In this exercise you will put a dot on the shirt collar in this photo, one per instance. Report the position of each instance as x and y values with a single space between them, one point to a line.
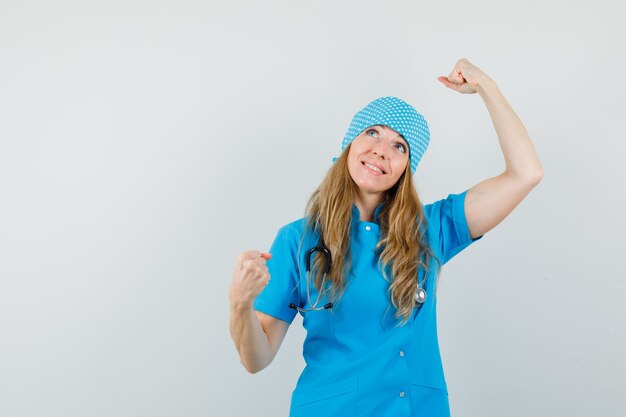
356 214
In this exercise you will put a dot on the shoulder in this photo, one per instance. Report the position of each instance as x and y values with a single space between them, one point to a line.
452 204
295 227
293 232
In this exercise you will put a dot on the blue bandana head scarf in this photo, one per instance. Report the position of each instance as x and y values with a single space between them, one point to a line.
398 115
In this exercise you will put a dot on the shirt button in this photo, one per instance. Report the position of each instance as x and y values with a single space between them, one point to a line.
401 353
402 394
368 228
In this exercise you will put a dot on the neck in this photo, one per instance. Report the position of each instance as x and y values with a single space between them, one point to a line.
367 203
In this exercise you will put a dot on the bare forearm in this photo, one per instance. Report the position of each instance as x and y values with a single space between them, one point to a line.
519 154
251 341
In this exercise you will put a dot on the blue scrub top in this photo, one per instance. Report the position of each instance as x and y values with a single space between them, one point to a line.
357 361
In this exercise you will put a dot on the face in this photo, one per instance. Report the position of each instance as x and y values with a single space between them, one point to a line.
383 148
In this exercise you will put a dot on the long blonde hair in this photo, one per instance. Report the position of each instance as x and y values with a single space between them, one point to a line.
402 228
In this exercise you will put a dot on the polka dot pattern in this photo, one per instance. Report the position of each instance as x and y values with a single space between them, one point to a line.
398 115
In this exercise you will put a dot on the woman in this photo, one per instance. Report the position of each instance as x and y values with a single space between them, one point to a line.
369 299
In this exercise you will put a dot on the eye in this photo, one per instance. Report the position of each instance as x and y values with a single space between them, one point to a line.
401 145
372 130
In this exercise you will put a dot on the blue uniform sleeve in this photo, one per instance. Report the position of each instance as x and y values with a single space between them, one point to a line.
447 224
281 289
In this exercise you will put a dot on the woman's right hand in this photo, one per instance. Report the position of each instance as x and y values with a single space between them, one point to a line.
250 277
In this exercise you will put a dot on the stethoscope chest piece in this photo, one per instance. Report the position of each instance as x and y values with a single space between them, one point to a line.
420 295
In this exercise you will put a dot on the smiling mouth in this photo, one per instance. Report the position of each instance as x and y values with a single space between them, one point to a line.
373 169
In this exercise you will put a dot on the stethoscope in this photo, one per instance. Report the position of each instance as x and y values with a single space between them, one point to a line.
320 247
420 293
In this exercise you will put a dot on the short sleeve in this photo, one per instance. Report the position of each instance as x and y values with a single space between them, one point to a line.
281 289
447 224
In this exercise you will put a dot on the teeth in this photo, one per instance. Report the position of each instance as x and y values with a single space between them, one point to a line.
367 164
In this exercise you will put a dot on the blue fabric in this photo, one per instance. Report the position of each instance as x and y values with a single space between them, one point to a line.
357 361
398 115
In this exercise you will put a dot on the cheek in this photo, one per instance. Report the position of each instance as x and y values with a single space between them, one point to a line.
353 167
353 156
400 167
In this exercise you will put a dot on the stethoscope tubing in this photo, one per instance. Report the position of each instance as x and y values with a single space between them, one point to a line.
420 293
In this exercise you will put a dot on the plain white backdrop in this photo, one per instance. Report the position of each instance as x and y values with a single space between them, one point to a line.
145 144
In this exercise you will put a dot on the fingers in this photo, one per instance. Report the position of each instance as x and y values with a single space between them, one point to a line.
252 263
253 258
251 275
249 254
447 83
456 76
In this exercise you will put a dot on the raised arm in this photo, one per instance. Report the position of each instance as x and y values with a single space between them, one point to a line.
490 201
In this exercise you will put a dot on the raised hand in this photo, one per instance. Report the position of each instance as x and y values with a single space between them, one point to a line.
465 78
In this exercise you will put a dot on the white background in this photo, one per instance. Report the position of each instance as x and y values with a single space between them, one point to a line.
144 144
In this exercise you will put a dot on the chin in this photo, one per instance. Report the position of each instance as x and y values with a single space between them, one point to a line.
372 190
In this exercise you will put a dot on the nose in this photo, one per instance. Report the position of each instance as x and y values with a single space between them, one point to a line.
379 148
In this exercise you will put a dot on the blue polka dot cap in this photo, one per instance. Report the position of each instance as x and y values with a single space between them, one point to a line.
398 115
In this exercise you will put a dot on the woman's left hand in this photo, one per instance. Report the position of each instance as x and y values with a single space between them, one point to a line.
465 78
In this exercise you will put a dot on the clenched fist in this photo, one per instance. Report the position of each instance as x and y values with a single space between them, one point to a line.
250 277
465 78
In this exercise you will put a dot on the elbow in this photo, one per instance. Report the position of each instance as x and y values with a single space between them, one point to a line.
530 177
536 177
252 368
537 173
527 176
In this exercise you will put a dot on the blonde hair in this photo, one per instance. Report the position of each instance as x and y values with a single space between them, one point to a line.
402 246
